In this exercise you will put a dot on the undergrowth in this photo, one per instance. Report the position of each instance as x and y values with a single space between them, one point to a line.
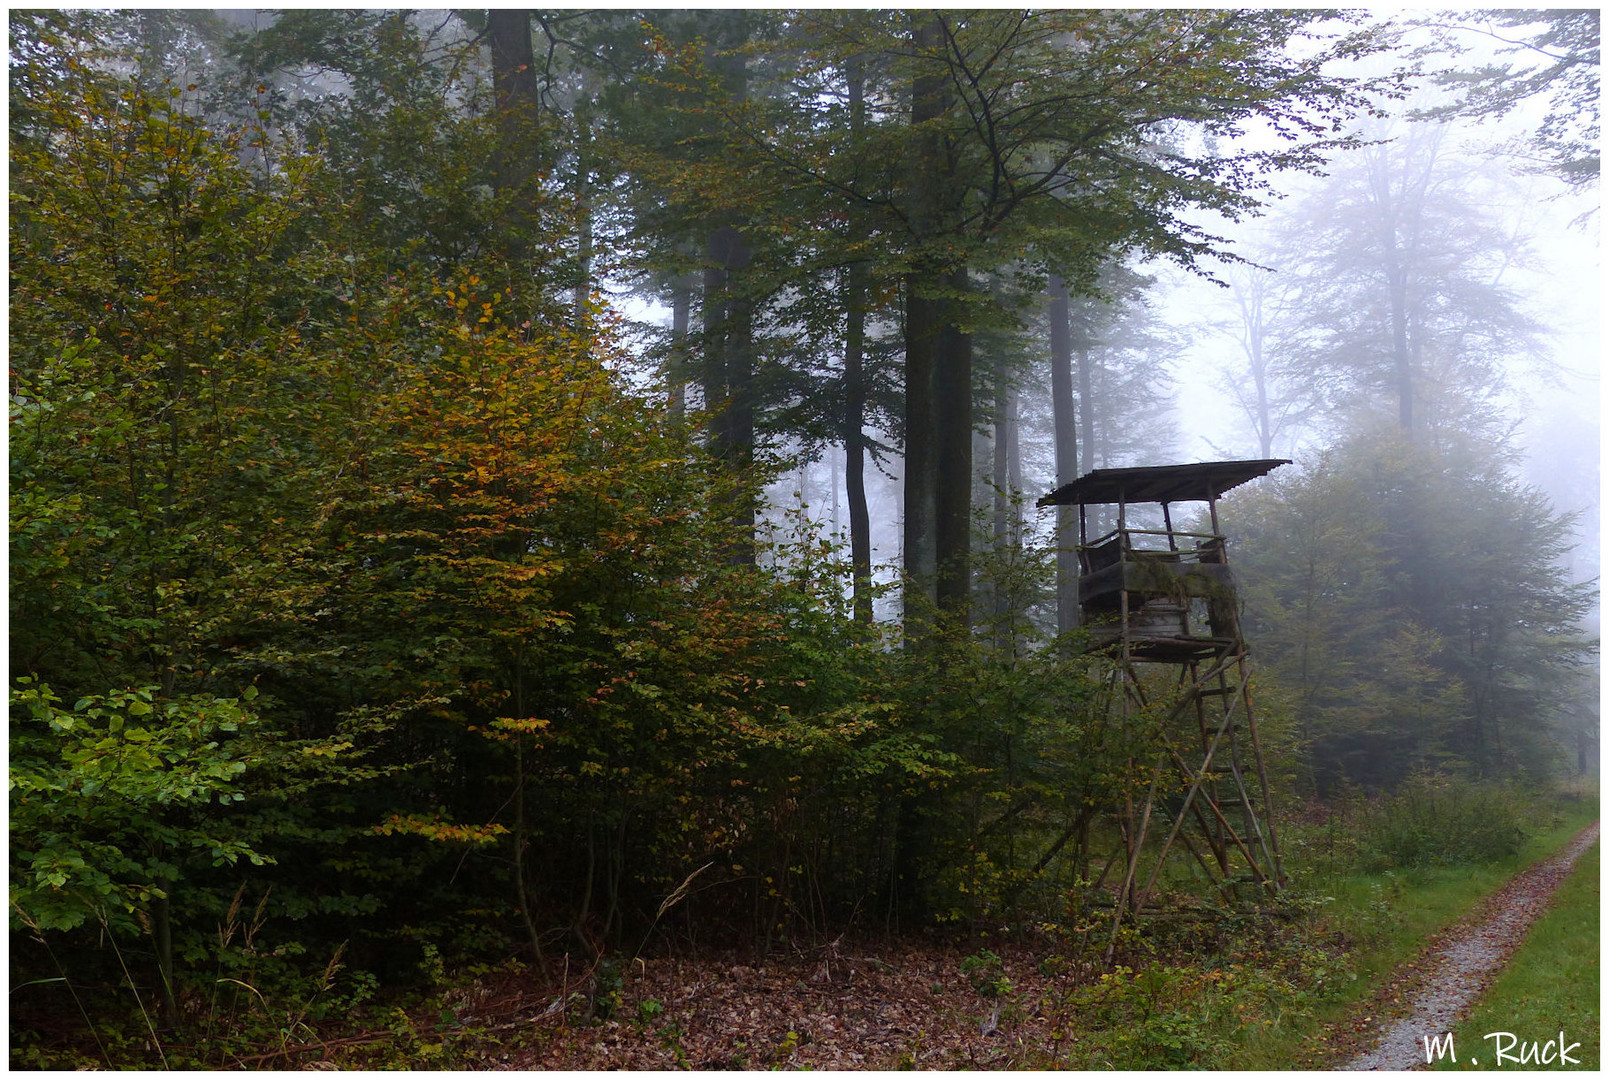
1186 990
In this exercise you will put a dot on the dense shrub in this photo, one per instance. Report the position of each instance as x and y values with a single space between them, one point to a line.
1439 821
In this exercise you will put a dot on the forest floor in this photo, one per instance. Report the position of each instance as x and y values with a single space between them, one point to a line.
1187 996
1458 965
901 1006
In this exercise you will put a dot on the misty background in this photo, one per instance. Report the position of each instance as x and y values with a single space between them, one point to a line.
1541 249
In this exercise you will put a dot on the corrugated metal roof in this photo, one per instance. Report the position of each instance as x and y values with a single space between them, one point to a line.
1200 481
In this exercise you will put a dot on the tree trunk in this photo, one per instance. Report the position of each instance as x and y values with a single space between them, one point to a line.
513 84
938 372
583 199
162 942
514 92
924 326
729 343
1403 363
836 518
952 497
681 312
1387 208
921 346
1007 484
712 367
860 539
521 835
1086 409
1065 422
728 370
521 839
854 430
740 379
1253 296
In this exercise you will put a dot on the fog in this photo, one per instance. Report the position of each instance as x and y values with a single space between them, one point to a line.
1550 400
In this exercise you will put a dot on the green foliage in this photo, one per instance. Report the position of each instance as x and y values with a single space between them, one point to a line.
649 1011
1158 1018
1556 60
1411 608
983 969
1432 820
104 797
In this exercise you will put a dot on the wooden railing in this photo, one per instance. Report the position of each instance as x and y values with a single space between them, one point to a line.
1119 546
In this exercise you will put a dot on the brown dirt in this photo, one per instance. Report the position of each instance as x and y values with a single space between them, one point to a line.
1442 984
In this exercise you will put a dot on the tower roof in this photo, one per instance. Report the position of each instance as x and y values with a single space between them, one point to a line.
1201 481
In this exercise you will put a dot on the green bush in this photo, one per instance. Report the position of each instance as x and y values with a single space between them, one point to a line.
1434 821
1161 1017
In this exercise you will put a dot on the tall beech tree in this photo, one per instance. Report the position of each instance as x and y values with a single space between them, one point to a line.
1274 389
1407 303
1064 425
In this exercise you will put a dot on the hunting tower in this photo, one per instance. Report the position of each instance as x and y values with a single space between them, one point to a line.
1161 603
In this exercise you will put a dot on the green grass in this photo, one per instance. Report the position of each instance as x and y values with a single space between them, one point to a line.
1388 916
1550 984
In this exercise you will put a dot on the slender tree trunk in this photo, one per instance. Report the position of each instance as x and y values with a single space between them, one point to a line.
1389 210
521 835
521 839
1065 422
836 518
1091 459
728 372
1265 420
740 373
854 433
712 368
1402 358
583 199
1000 464
162 942
1014 481
681 311
952 498
1006 486
1252 298
860 538
1265 427
921 348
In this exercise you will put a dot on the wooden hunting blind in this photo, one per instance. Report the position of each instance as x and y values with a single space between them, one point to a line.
1155 599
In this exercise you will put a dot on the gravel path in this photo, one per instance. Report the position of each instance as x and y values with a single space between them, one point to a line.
1464 966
